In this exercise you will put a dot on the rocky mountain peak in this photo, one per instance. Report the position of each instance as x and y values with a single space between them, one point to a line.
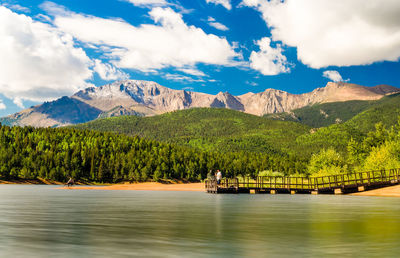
147 98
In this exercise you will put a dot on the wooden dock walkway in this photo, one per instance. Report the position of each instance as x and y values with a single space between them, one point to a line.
335 184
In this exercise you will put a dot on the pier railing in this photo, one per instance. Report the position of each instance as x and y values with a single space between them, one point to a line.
371 179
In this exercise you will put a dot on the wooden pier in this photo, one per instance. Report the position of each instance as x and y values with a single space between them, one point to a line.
335 184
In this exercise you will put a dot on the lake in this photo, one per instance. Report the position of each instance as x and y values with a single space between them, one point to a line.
42 221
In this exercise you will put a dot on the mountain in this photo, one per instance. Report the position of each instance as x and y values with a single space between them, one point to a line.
145 98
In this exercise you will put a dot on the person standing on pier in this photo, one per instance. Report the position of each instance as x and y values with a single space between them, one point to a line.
219 177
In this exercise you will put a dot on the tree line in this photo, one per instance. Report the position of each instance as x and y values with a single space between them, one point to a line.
94 156
60 153
379 149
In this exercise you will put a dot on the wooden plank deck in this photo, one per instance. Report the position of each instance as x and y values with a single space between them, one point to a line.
335 184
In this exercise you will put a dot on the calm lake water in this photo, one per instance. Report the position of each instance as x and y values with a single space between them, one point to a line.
41 221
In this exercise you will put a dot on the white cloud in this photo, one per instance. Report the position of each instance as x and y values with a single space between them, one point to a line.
148 47
254 84
269 60
224 3
335 33
219 26
17 7
188 88
148 3
333 76
19 102
108 72
43 18
181 78
37 62
192 71
2 105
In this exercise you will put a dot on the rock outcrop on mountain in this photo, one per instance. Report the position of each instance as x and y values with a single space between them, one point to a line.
145 98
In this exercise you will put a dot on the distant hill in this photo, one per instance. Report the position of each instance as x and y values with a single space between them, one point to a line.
325 114
208 128
145 98
385 111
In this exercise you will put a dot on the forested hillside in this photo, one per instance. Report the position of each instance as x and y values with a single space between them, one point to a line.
385 112
213 129
209 128
57 154
379 149
228 130
187 144
320 115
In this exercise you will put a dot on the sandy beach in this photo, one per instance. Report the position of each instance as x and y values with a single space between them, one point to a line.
149 186
391 191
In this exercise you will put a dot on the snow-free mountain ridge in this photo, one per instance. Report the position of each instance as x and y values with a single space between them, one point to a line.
146 98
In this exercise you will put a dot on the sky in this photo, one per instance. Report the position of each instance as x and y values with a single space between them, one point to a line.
50 49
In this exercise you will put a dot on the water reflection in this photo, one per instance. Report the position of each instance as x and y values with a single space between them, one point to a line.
40 221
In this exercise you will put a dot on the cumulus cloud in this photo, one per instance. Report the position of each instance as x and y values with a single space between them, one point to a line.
38 62
2 105
219 26
148 47
333 76
269 60
224 3
335 33
148 3
108 72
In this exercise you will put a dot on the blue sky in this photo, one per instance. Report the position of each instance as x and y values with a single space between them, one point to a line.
53 48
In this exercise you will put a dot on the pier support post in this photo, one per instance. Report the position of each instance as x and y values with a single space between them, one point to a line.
292 192
314 192
252 191
361 188
273 192
338 191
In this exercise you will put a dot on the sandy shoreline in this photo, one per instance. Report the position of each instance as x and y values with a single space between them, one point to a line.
390 191
149 186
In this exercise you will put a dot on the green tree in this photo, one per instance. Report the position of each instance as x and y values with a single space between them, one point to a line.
326 162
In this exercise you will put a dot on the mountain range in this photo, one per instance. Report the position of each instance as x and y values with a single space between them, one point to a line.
146 98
